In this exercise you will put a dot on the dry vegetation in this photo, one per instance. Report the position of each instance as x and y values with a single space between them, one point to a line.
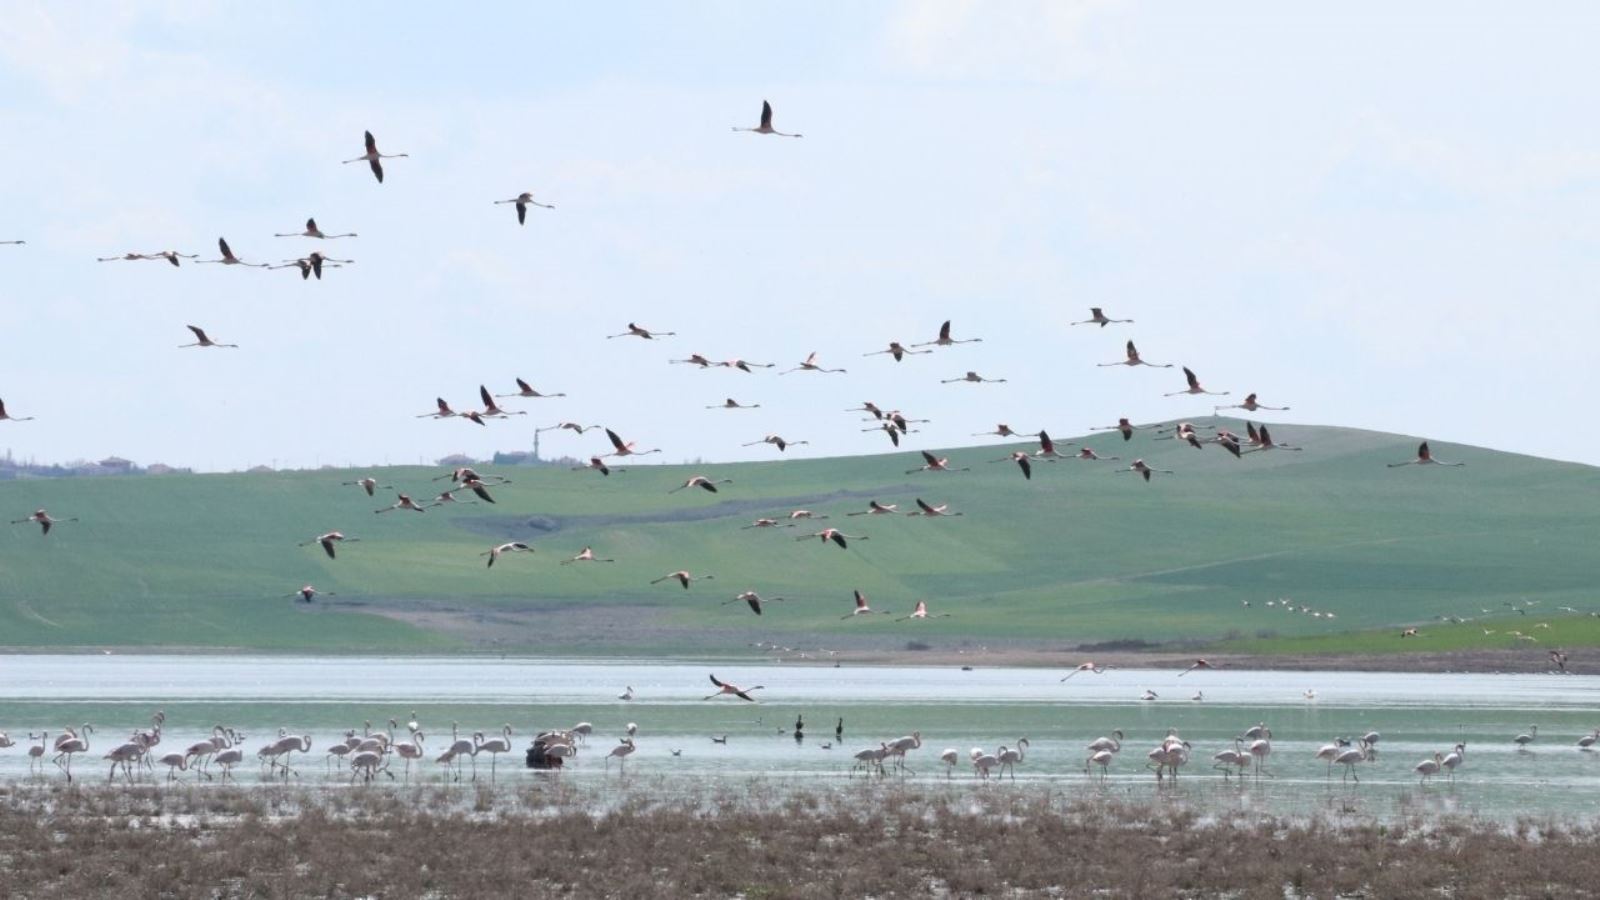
645 841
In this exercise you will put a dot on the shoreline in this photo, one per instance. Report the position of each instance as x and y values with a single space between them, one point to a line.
1581 660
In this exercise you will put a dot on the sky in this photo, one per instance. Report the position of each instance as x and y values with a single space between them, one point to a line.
1383 217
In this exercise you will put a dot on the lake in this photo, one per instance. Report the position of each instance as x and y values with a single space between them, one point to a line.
1416 714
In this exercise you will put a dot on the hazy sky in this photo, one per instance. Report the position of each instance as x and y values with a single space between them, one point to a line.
1382 216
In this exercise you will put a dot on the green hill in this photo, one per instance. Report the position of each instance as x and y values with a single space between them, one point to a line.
1076 555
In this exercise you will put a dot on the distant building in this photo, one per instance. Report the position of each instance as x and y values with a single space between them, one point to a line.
260 470
116 464
164 469
457 459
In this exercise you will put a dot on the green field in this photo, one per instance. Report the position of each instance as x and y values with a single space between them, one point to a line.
1076 555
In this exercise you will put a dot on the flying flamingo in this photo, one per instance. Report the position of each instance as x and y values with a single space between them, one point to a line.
307 593
1194 386
861 608
1200 664
767 523
867 406
921 612
480 487
510 547
766 123
597 464
832 534
1087 453
1140 467
1263 441
312 263
1126 427
443 412
1094 669
1424 458
625 448
328 540
312 231
776 441
636 331
1047 447
683 577
228 259
898 351
694 359
974 378
935 464
368 484
745 366
874 508
1097 317
309 266
450 497
586 556
889 429
1019 457
573 427
923 509
753 600
372 157
526 391
945 340
523 201
731 403
811 365
43 518
171 256
492 409
1250 405
724 687
7 417
201 340
1133 359
702 482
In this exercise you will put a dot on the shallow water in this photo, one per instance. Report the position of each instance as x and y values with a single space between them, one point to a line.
1415 713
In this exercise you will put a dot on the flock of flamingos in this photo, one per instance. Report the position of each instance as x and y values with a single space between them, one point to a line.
369 753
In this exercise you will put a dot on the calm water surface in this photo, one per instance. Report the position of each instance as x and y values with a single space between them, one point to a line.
1415 713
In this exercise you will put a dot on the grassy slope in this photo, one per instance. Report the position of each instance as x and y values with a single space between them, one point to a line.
1075 555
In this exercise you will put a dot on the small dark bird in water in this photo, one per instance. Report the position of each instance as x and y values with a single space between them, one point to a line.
838 730
799 728
720 740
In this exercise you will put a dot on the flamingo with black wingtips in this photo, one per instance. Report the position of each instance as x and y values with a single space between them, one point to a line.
1139 466
1133 359
1097 317
1250 405
1194 386
228 259
373 158
523 201
1424 458
935 464
312 231
639 332
625 448
897 350
766 124
201 340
